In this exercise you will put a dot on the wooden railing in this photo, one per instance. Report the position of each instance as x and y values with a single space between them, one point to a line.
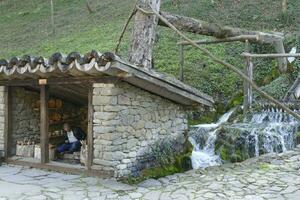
248 94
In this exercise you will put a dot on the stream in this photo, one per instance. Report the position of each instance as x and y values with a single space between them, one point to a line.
270 130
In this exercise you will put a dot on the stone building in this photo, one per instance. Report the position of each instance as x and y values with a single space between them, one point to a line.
123 108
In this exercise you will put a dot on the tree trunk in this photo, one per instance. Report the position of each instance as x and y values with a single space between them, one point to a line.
143 35
210 29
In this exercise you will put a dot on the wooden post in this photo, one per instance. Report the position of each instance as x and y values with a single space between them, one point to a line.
282 62
284 6
44 95
248 94
90 129
181 62
52 17
247 87
8 118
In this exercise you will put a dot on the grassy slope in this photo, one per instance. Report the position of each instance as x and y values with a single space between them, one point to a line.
26 29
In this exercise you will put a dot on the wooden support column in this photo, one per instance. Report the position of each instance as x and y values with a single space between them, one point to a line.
44 95
90 129
181 62
8 118
248 94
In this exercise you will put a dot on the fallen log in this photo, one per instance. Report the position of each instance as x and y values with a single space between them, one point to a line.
192 25
241 38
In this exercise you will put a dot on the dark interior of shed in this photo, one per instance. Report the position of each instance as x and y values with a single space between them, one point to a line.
66 104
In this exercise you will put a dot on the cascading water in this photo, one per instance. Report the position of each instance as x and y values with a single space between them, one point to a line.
204 155
270 130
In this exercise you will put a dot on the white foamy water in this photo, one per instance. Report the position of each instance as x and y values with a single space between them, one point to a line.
205 156
270 130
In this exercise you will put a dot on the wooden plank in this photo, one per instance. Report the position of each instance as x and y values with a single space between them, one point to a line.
44 95
90 129
59 81
248 93
8 118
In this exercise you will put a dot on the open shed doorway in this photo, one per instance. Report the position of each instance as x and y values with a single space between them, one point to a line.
66 103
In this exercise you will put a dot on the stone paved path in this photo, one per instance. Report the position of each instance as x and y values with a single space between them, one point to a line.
266 177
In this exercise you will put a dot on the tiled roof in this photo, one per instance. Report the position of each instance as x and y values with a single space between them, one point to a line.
97 64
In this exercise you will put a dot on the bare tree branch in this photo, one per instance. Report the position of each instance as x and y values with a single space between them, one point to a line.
125 27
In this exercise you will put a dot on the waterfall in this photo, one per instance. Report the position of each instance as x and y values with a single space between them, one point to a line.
204 156
270 130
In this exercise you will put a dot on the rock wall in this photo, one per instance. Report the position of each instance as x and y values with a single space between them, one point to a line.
25 118
126 122
2 120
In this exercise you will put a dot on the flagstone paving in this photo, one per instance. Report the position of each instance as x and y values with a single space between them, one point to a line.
267 177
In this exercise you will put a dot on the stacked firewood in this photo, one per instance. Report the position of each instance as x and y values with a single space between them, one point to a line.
29 149
25 148
56 134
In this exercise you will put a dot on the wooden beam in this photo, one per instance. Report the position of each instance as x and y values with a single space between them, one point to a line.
60 81
248 94
271 55
241 38
44 95
90 142
8 118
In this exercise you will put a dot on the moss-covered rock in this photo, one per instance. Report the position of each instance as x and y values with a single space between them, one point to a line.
231 144
174 163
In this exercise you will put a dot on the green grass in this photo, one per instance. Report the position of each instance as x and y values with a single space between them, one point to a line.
26 29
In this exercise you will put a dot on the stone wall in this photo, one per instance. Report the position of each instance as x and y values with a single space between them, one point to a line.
25 118
2 120
127 121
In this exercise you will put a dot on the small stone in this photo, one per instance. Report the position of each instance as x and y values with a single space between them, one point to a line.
135 195
149 183
124 100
